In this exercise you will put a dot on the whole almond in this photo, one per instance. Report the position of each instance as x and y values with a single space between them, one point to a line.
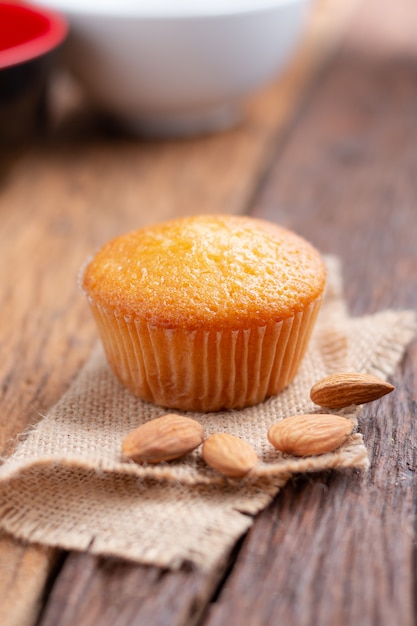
310 434
163 439
340 390
229 455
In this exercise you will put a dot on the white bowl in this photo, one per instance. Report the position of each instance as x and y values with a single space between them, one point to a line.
178 67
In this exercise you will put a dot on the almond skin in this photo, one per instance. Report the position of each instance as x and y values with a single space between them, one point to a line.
310 434
340 390
229 455
163 439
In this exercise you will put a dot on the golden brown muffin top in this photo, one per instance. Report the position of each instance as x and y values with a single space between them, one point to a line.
206 272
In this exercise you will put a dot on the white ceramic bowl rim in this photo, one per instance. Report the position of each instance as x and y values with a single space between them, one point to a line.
167 9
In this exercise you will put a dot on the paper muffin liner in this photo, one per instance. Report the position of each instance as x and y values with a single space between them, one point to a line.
204 370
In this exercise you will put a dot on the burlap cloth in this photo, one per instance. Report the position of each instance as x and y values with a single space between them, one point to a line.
67 485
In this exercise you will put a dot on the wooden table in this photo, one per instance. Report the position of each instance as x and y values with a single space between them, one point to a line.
330 150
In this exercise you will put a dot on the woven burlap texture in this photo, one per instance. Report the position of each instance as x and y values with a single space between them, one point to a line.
68 486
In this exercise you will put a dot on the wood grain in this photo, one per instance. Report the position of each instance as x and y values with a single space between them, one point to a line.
337 549
23 571
95 591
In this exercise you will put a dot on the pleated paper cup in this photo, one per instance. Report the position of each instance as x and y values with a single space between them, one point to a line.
205 370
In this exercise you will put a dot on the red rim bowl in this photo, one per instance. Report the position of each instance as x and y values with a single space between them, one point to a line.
28 32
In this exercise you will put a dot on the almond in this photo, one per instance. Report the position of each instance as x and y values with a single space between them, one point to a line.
340 390
163 439
229 455
311 434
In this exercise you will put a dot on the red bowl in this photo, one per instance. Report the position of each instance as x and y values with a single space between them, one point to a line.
28 32
29 37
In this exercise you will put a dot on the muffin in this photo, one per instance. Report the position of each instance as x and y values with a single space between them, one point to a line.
208 312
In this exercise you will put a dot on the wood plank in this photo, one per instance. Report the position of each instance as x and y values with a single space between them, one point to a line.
101 591
63 197
23 571
340 549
